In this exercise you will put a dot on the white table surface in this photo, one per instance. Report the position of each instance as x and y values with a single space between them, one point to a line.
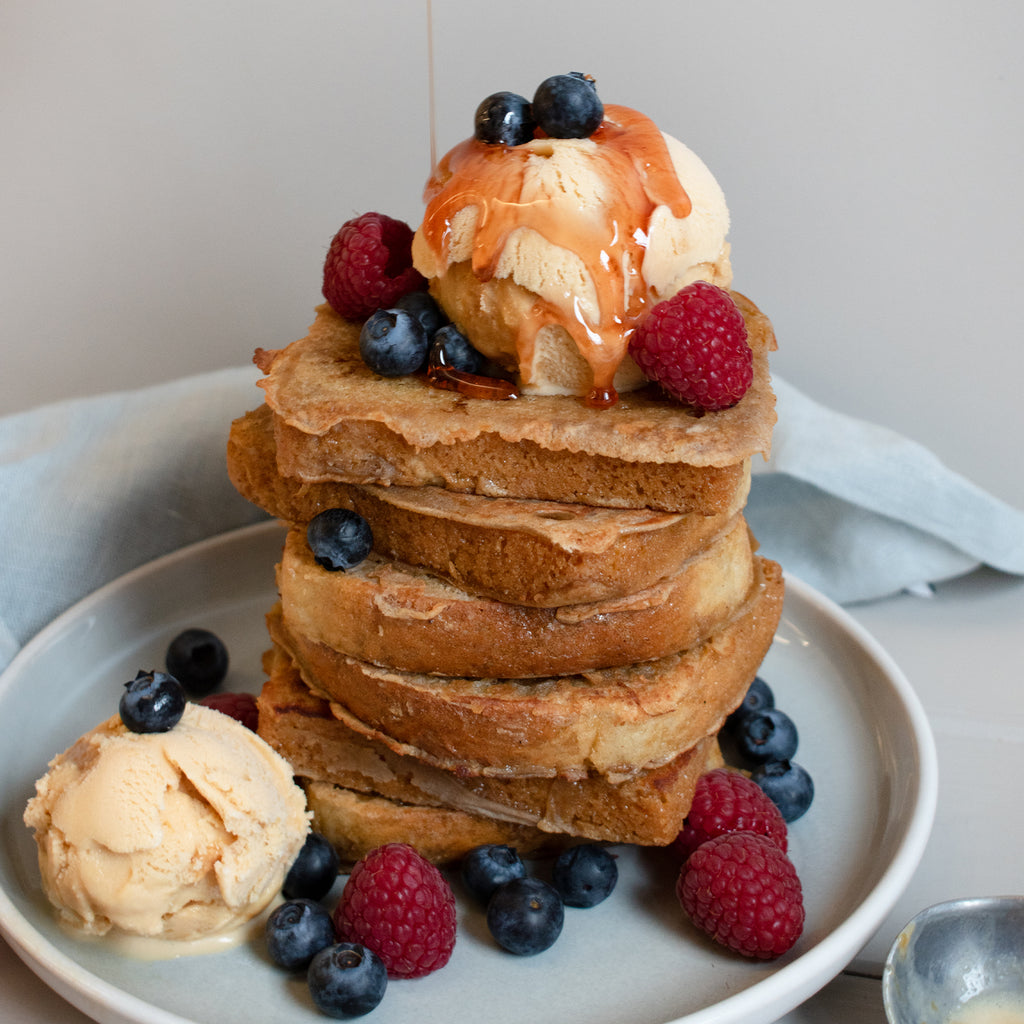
960 651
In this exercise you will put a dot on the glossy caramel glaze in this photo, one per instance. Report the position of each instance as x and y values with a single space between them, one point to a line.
639 176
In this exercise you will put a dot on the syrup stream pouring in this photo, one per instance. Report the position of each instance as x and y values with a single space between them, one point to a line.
432 113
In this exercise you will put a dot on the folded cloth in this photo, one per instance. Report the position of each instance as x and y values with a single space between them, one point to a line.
860 512
91 488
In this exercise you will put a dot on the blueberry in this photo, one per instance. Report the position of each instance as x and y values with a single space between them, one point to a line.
790 787
759 697
504 119
456 350
768 735
486 867
296 931
393 343
584 875
314 870
346 980
567 106
525 916
198 659
339 539
152 702
423 306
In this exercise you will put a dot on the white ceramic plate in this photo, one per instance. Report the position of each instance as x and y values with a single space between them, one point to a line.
863 734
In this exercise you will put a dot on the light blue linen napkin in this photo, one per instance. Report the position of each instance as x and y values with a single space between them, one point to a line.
92 488
860 512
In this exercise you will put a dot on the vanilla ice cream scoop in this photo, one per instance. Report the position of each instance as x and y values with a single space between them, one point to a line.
176 835
549 253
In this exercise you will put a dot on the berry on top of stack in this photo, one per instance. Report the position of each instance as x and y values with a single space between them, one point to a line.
518 598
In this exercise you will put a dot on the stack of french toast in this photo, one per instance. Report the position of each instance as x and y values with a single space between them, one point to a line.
561 607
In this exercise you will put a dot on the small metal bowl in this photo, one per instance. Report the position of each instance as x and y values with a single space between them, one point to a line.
953 953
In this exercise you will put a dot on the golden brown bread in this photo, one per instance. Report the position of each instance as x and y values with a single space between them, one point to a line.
356 823
334 419
521 550
647 809
598 614
404 618
617 722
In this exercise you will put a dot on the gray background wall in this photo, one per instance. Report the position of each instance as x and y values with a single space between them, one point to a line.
171 173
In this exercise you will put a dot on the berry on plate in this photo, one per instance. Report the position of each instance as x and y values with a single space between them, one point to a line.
398 904
152 702
339 539
584 875
369 265
296 931
346 980
239 706
743 891
789 786
759 697
198 659
695 346
525 916
763 736
727 801
486 867
313 871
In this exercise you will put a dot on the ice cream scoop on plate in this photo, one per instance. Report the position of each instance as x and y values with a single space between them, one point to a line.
174 835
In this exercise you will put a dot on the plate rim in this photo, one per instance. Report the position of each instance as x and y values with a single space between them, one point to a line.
872 910
90 993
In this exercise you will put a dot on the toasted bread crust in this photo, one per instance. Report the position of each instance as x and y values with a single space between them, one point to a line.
356 823
562 607
617 722
524 551
647 810
334 419
403 618
369 453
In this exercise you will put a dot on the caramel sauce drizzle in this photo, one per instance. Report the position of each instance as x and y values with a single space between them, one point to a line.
639 176
442 375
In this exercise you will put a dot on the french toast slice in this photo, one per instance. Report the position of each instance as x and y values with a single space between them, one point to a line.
617 722
520 550
647 809
402 617
335 419
356 823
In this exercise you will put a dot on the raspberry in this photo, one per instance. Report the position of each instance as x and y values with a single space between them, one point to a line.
743 891
369 265
695 346
240 706
398 904
727 801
